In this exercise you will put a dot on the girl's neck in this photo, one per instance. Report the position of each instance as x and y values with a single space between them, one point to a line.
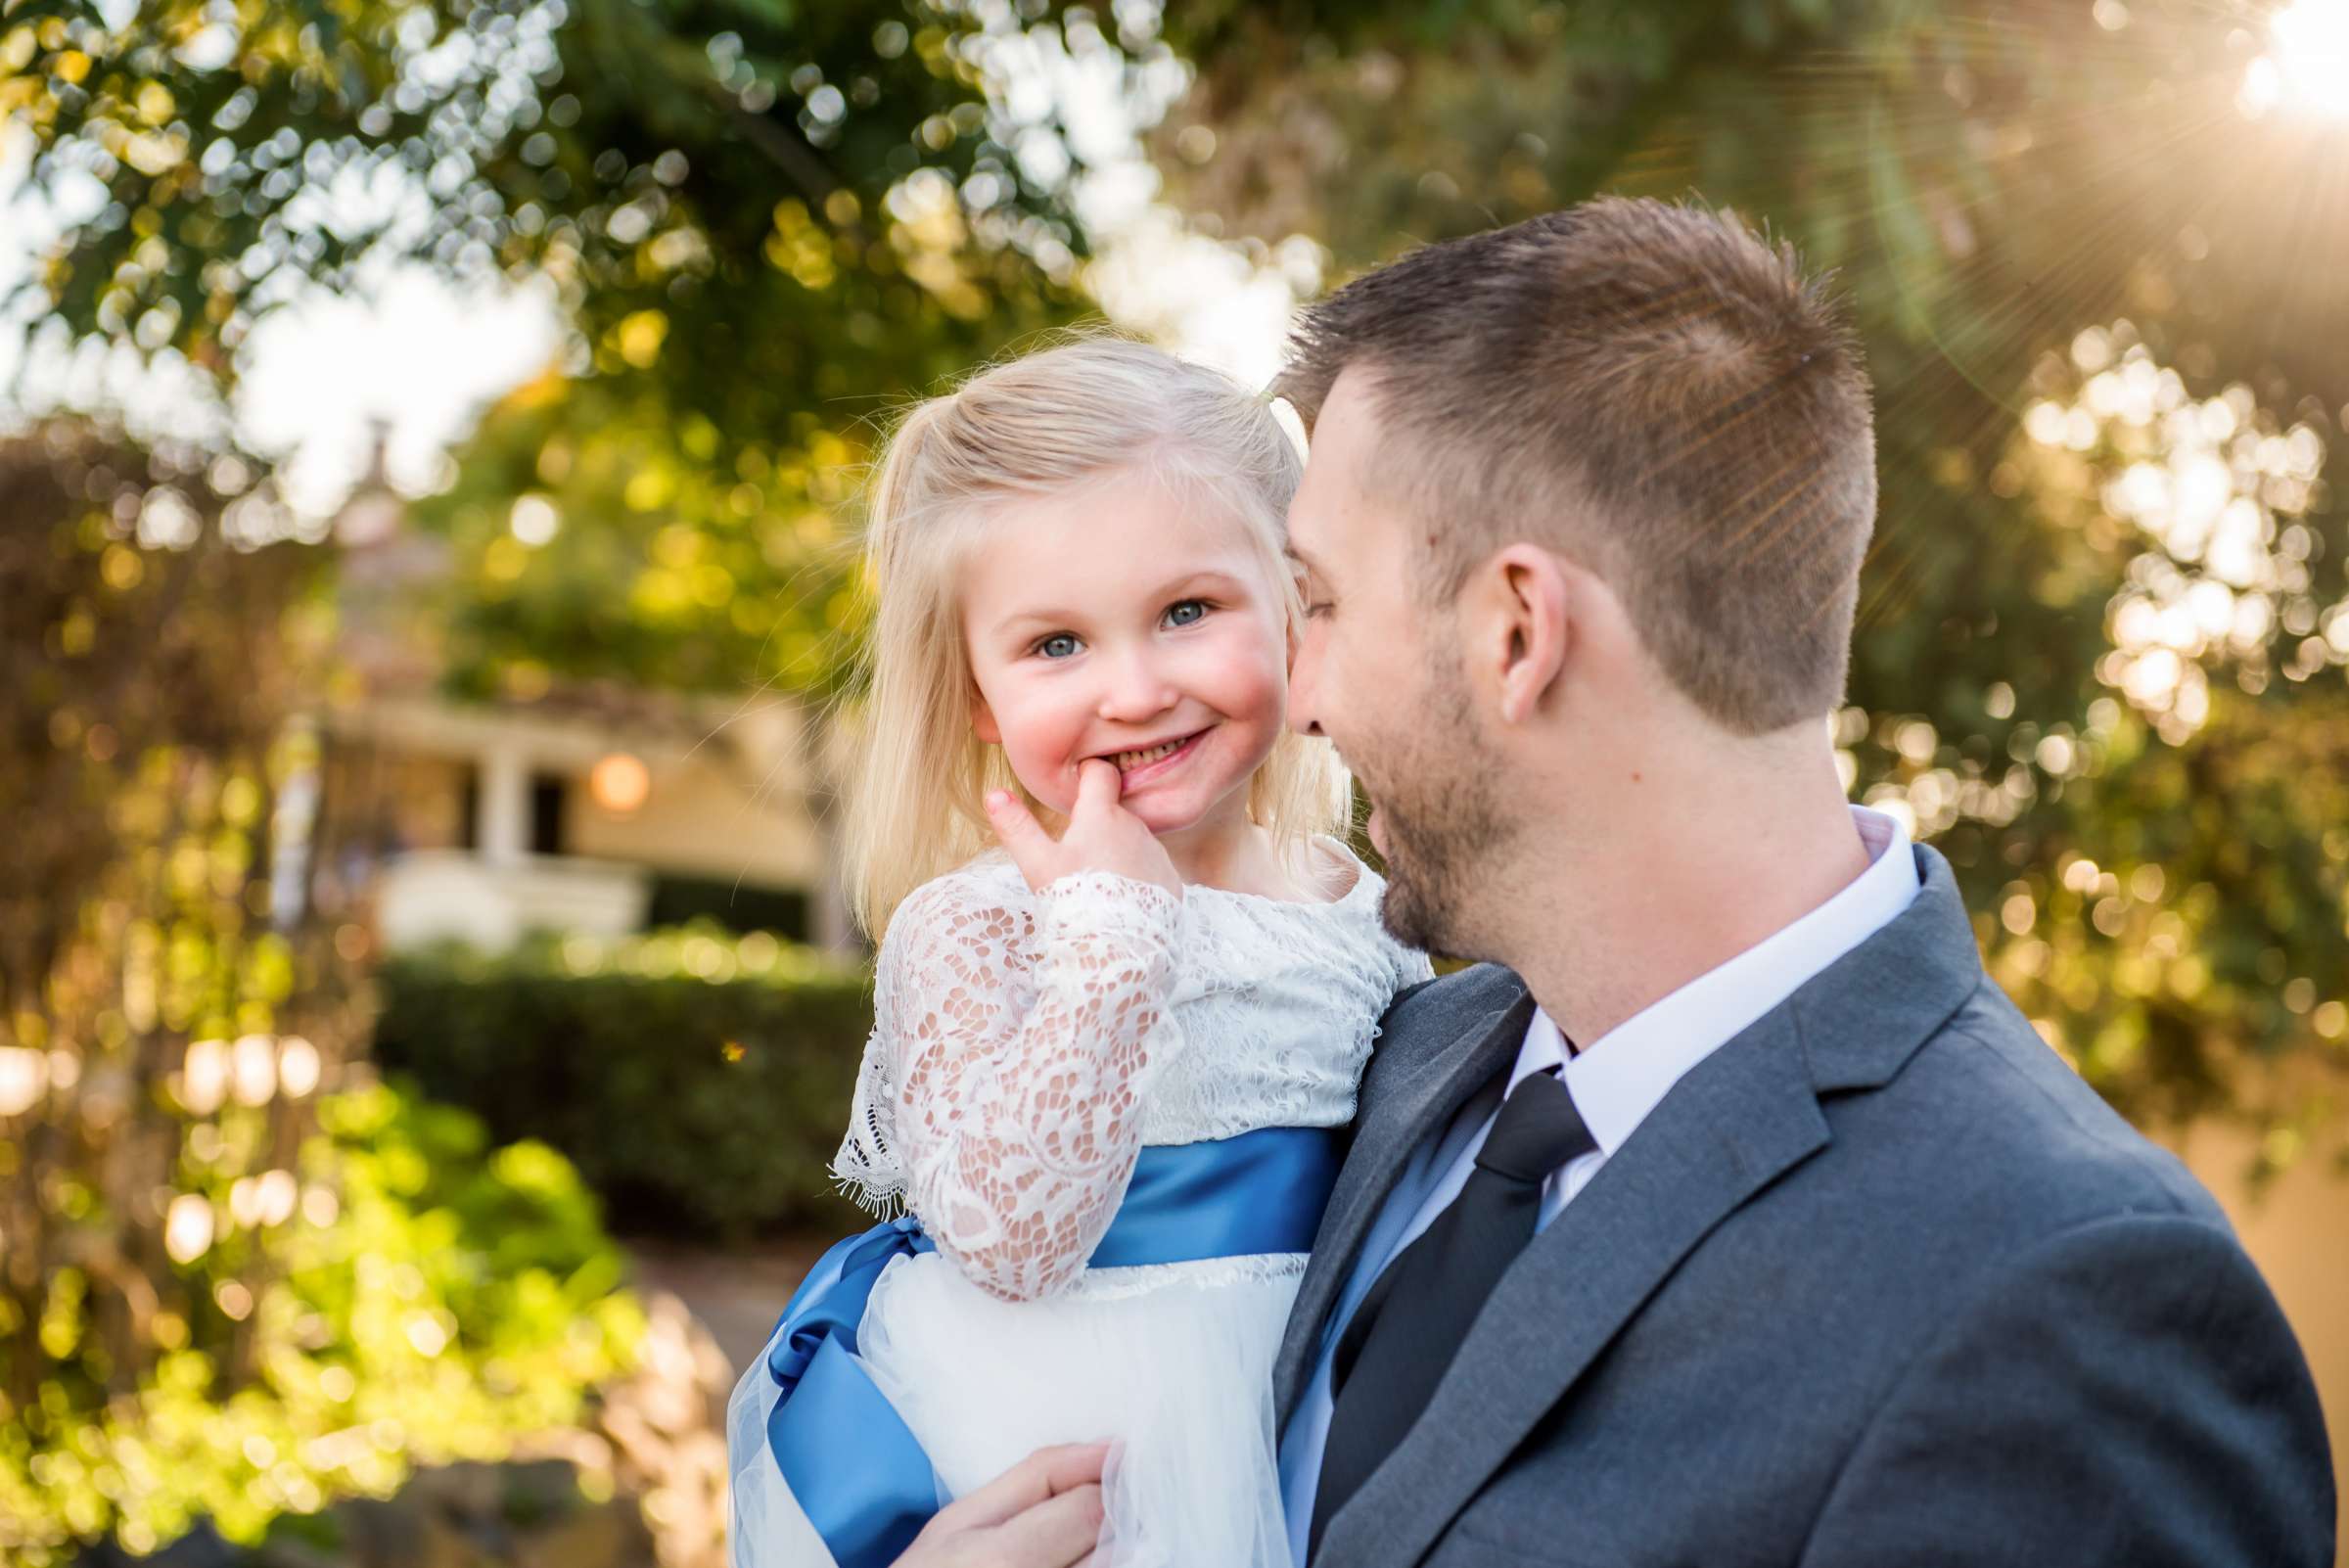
1227 851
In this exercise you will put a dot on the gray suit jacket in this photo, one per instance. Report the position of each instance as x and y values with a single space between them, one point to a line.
1880 1283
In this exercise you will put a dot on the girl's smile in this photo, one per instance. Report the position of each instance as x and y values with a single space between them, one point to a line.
1132 621
1141 766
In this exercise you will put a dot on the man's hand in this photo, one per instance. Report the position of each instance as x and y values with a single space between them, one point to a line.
1043 1512
1102 835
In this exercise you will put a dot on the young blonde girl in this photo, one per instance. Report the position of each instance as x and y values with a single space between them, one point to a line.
1127 981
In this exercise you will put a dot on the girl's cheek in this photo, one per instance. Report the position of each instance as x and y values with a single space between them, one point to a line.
1269 677
1254 660
1044 776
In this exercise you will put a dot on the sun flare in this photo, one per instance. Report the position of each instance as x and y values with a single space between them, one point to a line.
2309 55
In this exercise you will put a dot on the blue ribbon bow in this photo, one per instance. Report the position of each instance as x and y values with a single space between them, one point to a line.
851 1460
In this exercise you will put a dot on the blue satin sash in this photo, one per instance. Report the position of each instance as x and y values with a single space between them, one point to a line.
851 1461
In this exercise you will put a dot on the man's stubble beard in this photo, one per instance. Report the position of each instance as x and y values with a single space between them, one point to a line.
1439 812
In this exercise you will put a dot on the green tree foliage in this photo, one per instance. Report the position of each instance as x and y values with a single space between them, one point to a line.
429 1300
2153 848
764 223
135 897
235 1279
598 535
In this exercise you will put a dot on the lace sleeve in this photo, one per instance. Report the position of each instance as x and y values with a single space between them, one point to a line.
1013 1033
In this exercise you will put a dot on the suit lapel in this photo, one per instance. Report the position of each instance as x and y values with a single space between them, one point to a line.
1740 1120
1407 1099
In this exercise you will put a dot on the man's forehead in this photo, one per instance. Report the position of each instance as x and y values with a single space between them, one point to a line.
1342 495
1306 544
1353 409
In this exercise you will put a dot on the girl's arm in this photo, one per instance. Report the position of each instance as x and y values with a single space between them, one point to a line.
1018 1028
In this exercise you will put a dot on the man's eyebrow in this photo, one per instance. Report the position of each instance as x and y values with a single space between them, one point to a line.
1303 558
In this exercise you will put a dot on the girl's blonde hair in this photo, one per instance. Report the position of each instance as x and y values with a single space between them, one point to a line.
1074 414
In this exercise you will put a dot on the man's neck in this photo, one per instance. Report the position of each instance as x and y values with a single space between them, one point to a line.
1677 888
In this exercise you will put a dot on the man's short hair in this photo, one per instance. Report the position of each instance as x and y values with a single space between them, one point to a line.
1650 390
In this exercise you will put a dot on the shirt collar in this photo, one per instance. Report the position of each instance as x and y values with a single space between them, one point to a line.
1620 1076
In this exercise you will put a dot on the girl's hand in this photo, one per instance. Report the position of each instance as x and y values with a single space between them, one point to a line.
1102 836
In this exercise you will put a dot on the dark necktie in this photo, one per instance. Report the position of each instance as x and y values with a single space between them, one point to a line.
1400 1342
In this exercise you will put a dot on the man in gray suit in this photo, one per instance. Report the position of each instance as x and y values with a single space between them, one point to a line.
1731 1215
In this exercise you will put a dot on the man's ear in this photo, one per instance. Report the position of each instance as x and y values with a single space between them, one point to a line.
1528 627
983 720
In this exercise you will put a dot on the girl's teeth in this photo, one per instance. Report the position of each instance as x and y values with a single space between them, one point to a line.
1128 761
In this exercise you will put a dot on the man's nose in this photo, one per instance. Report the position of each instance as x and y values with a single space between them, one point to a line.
1303 684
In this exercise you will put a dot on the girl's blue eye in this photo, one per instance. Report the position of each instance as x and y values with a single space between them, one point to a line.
1186 612
1060 645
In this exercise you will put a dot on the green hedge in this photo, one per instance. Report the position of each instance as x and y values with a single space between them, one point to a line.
699 1079
432 1299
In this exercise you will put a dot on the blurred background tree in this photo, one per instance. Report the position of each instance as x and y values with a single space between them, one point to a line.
767 225
235 1278
2087 246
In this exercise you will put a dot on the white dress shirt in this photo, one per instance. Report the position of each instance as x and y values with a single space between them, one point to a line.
1616 1081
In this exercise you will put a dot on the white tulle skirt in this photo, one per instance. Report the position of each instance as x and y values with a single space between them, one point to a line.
1173 1363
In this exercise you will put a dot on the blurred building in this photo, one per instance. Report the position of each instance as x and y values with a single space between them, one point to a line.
593 806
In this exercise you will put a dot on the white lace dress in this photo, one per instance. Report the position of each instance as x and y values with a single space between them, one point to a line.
1025 1049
